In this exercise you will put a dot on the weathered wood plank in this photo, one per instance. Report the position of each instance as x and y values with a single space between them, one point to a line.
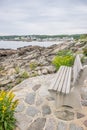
56 78
62 77
68 81
59 77
65 81
60 85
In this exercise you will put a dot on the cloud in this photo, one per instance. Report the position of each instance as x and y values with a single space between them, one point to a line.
43 17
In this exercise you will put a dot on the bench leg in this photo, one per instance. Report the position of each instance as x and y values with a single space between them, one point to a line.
72 99
59 100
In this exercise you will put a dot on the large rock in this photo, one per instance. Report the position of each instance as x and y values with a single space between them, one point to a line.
7 52
80 44
44 71
28 49
50 68
42 60
5 82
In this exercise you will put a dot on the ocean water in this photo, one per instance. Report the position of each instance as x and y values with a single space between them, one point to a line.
17 44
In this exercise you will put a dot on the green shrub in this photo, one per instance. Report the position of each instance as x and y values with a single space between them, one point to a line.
85 51
33 65
24 75
7 110
66 60
64 57
64 53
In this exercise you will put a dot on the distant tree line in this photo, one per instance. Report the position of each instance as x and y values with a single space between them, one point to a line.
12 37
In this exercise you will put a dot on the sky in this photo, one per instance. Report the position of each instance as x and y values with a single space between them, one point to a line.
53 17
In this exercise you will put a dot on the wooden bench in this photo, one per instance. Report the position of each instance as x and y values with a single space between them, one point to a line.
62 81
63 89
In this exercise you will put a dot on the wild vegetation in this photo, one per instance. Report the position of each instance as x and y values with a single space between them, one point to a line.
7 110
64 57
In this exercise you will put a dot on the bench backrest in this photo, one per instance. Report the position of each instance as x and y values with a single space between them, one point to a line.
62 81
76 68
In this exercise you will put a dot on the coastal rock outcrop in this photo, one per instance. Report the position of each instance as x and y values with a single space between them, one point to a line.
30 61
7 52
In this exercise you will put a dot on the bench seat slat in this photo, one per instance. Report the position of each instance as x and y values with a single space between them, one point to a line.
61 80
65 81
57 76
68 81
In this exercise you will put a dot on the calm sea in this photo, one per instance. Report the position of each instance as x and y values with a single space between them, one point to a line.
17 44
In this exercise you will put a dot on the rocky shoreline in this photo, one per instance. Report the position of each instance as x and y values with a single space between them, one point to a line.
30 61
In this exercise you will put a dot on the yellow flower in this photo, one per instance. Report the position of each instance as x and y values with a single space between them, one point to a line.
1 98
3 93
11 96
3 109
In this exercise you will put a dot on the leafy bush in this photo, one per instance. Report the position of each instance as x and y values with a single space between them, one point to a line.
85 51
7 110
64 57
24 75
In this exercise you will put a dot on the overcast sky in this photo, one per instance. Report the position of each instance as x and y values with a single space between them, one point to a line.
20 17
